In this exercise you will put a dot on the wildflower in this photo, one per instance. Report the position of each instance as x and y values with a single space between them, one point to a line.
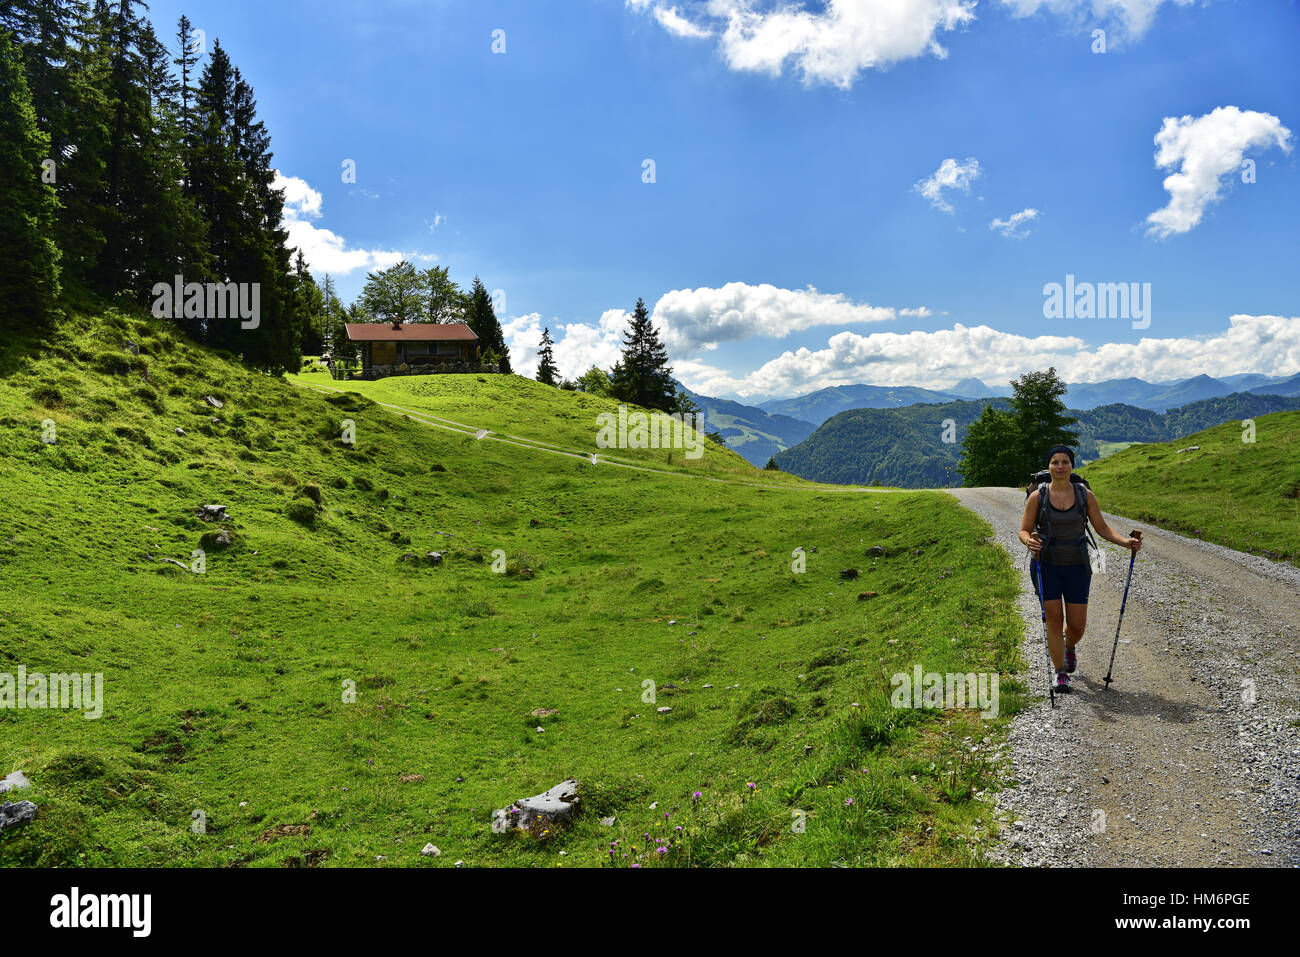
662 850
677 828
752 786
848 802
665 815
696 796
635 864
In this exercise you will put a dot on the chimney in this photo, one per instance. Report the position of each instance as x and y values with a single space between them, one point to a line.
397 324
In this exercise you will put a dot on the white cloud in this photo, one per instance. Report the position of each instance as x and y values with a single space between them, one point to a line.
832 44
325 250
1205 151
523 337
1010 227
1265 344
690 320
949 175
676 24
1127 17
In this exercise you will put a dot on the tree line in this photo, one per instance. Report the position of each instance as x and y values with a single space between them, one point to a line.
129 162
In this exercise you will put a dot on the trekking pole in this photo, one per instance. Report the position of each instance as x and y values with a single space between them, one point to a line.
1051 668
1132 557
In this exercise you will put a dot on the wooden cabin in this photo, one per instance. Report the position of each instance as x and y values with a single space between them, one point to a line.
384 347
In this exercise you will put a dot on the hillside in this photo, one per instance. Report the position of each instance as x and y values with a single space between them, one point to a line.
228 738
904 447
1240 494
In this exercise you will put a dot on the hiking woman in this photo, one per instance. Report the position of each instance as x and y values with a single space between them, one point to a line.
1060 549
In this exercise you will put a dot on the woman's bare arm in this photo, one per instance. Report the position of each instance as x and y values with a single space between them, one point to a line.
1104 530
1028 522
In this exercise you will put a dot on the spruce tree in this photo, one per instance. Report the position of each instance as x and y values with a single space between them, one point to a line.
29 257
116 39
546 370
482 320
643 376
187 59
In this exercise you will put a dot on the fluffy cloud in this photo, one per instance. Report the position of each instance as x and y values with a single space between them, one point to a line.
325 250
1205 151
1266 344
1129 17
676 24
1010 227
949 175
831 44
699 319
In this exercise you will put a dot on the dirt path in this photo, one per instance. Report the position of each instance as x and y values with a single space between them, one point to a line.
1175 764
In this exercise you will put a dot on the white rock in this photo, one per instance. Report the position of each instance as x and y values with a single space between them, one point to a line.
430 851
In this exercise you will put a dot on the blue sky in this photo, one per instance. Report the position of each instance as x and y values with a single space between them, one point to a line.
789 239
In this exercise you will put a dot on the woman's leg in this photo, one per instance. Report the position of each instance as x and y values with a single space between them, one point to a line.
1055 619
1076 620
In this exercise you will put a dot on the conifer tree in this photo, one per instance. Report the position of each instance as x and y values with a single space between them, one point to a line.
546 370
482 319
29 258
643 376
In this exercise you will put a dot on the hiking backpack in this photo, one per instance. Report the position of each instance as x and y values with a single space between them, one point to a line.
1041 481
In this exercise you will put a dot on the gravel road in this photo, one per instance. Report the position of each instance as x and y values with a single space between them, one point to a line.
1192 756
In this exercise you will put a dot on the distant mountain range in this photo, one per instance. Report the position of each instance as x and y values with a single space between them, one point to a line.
906 448
758 432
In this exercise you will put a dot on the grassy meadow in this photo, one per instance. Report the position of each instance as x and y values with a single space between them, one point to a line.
1227 491
227 737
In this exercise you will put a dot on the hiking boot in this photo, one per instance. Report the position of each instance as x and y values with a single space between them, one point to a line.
1071 662
1062 682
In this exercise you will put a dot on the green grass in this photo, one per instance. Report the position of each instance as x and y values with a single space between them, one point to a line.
225 691
1110 448
1245 495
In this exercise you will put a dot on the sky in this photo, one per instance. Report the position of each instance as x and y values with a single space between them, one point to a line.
806 194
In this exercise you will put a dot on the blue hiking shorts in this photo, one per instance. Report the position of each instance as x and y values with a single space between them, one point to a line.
1072 581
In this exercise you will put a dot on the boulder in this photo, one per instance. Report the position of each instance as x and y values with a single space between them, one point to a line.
211 513
19 812
546 811
214 402
14 782
435 558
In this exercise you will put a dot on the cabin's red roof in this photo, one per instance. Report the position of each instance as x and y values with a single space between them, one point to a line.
410 332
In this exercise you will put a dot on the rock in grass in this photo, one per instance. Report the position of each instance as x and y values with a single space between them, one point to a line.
211 513
179 430
14 782
548 810
864 595
876 550
430 851
435 558
848 573
214 402
215 541
16 813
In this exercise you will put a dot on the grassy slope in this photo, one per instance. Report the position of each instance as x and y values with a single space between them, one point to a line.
1242 495
226 687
